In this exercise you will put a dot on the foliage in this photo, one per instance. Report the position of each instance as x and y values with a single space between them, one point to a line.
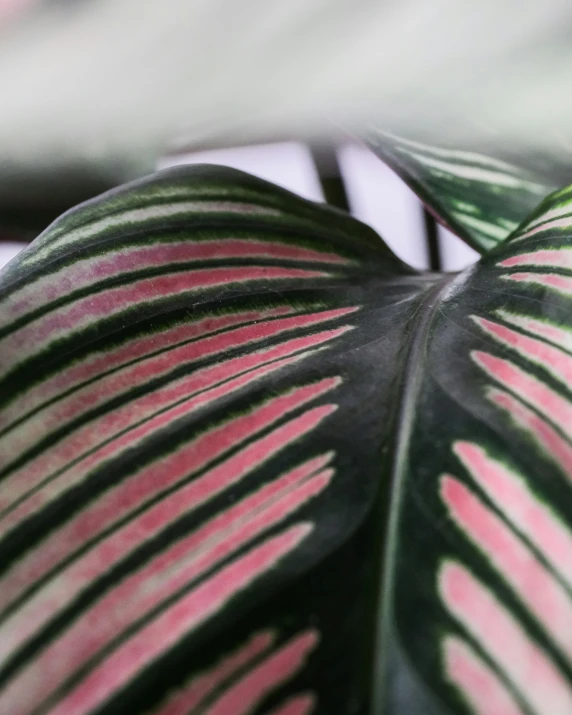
252 462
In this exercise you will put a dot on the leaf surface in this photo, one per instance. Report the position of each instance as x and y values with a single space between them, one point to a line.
478 585
180 494
480 192
253 463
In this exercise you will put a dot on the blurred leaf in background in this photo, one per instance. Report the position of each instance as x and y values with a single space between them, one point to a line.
94 92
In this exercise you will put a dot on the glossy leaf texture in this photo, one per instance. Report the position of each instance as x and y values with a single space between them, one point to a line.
478 587
479 194
195 373
252 463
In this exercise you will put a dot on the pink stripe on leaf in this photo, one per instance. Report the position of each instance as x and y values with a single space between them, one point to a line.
275 670
537 394
125 427
555 257
90 310
122 262
480 686
554 445
549 357
187 698
530 669
511 495
562 284
149 483
515 563
185 616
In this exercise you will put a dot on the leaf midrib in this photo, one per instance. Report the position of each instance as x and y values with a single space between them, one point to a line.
411 381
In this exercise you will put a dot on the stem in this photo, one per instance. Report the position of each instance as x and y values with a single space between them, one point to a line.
432 241
395 484
326 162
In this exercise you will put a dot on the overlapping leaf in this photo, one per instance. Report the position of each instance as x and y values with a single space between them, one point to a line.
250 462
477 194
87 100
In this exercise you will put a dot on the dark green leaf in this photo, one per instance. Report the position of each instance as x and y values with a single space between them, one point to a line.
180 362
478 583
478 194
250 462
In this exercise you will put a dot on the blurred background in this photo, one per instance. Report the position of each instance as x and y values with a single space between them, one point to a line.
374 194
98 92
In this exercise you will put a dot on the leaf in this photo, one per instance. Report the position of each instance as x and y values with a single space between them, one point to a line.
477 194
482 602
179 362
30 200
251 462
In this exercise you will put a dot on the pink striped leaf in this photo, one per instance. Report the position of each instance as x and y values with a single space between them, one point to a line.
179 493
250 462
479 596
